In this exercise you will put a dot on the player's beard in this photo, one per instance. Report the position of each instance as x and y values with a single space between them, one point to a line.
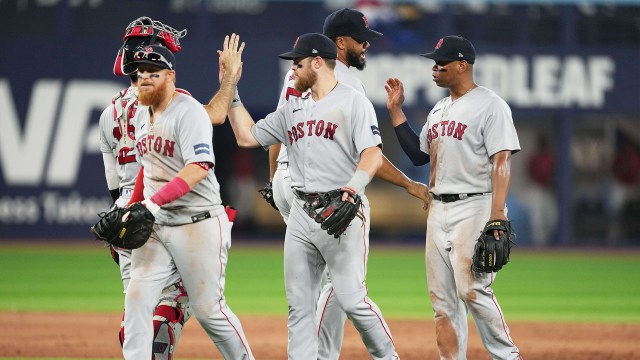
154 96
302 84
353 59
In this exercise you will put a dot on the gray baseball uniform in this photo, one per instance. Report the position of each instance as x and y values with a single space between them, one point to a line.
189 233
324 140
117 142
329 316
460 137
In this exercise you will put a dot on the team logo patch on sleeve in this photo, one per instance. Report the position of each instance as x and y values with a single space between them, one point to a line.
201 149
375 130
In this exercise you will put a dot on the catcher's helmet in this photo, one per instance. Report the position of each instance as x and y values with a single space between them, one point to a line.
145 31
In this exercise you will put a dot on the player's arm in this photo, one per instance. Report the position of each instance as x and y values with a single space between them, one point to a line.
242 123
370 162
218 106
180 185
111 174
408 139
193 173
109 161
274 151
388 172
500 180
230 71
138 188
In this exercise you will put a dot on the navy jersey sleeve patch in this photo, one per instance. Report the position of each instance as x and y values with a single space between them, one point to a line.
201 149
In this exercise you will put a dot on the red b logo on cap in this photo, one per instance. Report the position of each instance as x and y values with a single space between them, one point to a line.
296 43
366 22
439 44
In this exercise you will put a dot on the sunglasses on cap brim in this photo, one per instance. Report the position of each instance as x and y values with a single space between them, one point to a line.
151 56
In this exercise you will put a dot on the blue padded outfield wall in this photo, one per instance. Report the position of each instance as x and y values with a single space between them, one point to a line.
558 66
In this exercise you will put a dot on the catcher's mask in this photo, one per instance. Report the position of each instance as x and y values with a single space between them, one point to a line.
145 31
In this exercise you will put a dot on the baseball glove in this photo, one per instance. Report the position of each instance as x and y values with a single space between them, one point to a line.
267 195
490 255
331 212
127 228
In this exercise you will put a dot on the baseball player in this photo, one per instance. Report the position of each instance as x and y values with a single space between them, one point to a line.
348 28
174 144
121 168
333 142
469 138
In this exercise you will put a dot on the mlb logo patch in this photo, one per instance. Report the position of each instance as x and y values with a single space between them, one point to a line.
201 149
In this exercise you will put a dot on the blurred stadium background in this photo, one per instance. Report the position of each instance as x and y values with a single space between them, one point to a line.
568 69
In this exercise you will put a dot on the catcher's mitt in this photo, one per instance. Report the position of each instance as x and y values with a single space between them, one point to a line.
331 212
127 228
267 195
490 255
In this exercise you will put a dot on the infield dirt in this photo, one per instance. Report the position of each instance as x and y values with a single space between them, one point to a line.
73 335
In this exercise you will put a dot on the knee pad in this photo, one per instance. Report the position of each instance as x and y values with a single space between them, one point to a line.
168 321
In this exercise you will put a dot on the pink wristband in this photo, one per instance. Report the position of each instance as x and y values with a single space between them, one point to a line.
175 189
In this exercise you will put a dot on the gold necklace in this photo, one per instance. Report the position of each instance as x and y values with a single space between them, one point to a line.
447 107
471 88
173 95
152 117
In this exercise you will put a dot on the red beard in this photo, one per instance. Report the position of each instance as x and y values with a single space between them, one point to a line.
152 97
303 85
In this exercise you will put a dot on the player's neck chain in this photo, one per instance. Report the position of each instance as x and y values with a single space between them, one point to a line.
170 100
151 112
449 104
466 92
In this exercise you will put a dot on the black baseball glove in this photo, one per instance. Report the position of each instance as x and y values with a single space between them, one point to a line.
331 212
490 255
127 228
267 195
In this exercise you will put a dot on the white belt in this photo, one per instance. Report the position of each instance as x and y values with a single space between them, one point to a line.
126 192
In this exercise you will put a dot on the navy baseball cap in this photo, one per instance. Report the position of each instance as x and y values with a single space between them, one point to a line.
155 55
453 48
349 22
312 44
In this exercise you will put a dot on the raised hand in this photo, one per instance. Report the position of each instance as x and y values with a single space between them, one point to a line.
395 94
231 58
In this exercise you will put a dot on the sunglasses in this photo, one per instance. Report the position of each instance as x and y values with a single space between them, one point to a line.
151 56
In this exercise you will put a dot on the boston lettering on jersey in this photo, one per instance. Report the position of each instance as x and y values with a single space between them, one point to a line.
447 128
314 127
156 144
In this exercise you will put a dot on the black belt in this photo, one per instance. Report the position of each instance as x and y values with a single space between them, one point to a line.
307 196
446 198
201 216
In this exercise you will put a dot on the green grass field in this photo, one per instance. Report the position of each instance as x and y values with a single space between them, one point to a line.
594 286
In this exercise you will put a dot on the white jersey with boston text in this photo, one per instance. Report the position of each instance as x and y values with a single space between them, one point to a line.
343 75
462 135
181 135
324 138
117 135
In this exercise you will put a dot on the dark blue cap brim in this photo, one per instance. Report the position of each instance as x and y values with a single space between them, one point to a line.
296 55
